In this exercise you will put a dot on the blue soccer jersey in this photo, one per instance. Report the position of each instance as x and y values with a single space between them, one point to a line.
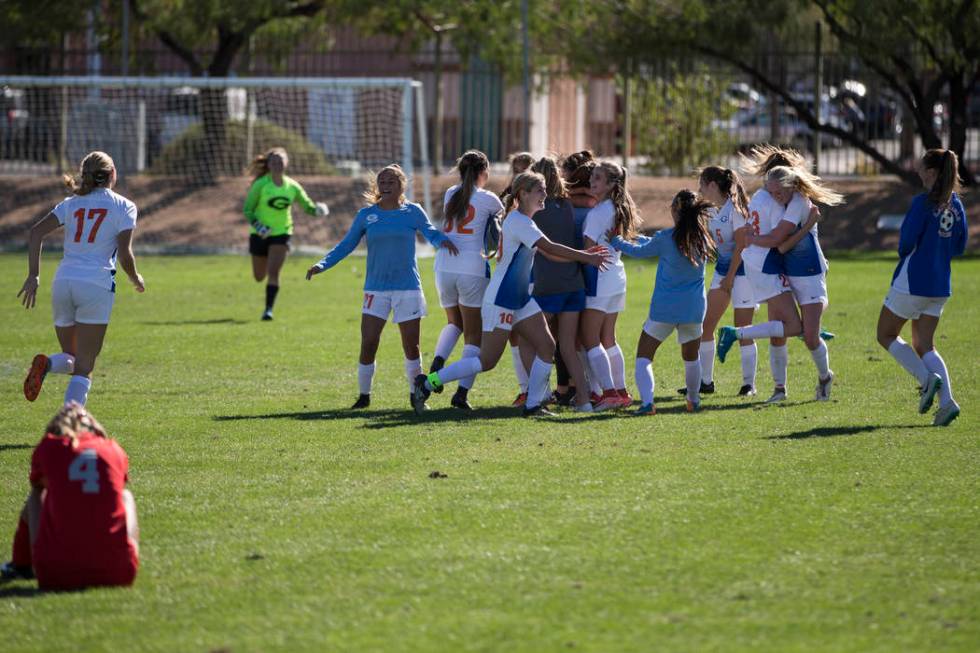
806 259
391 263
930 237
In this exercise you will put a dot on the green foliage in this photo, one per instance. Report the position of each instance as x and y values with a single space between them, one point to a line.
673 117
183 155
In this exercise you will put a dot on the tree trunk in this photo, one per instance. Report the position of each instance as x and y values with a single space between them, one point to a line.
958 99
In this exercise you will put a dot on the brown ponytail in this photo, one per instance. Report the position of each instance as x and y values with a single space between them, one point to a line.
554 185
691 233
627 214
730 185
471 165
948 179
94 172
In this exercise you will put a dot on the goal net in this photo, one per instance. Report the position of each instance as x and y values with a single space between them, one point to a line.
182 146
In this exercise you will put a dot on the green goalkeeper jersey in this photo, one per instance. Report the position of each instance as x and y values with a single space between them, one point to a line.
268 204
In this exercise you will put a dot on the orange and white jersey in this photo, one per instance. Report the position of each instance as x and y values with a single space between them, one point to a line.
92 224
468 234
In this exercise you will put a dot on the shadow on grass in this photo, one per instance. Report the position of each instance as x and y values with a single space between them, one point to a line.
5 447
220 320
19 592
833 431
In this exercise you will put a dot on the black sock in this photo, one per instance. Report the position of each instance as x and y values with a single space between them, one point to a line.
270 296
462 392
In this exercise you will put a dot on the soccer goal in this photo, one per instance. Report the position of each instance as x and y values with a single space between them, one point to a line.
166 133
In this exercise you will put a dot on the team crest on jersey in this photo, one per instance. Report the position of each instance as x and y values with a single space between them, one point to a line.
371 218
278 203
946 220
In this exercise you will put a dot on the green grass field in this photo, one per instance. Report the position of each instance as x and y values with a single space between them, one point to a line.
274 519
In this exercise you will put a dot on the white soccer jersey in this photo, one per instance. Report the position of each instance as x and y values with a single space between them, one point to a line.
509 285
468 234
722 227
92 224
764 214
612 280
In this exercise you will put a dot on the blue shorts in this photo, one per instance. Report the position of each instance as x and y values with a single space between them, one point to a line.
562 302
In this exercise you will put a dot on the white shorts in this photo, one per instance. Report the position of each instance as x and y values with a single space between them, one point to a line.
912 307
810 290
686 332
498 317
457 289
766 286
607 304
742 295
404 305
80 302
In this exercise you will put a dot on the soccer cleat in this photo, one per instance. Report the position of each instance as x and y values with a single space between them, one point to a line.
437 364
9 571
565 398
610 399
624 397
747 390
459 401
706 389
727 337
267 315
693 406
826 335
594 398
645 409
928 392
778 395
537 411
824 386
35 377
363 401
419 394
946 414
520 400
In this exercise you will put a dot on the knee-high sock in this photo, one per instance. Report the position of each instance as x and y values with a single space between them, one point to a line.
412 369
21 554
447 340
706 355
617 367
692 378
643 374
589 374
909 360
469 351
599 362
61 363
772 329
935 364
270 296
519 369
779 364
749 355
821 358
365 375
538 382
77 389
461 369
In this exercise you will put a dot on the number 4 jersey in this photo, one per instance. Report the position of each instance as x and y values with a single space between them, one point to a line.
92 224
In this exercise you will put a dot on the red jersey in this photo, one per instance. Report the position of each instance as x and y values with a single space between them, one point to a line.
82 539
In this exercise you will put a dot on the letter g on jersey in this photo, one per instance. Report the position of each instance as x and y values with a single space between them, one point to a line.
278 203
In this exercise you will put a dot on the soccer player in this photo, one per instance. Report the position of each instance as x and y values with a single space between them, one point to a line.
558 287
678 300
507 304
723 188
98 228
934 231
267 209
606 290
461 280
78 528
392 285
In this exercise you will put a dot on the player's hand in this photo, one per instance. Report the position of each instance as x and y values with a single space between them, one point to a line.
742 238
814 216
314 270
262 230
599 256
138 282
612 233
727 284
322 210
29 292
449 246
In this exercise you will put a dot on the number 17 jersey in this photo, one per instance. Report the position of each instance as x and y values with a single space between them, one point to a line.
92 224
468 234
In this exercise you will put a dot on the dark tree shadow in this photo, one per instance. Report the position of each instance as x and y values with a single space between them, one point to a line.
833 431
222 320
5 447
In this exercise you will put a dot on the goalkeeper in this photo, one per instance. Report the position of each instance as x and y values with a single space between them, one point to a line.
267 208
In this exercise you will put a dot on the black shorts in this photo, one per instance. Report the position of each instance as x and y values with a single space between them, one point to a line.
259 246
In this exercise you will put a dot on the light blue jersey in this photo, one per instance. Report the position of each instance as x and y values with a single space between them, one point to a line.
678 294
391 263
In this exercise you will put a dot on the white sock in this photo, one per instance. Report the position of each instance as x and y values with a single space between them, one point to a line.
412 369
617 367
589 374
77 389
461 369
692 378
935 364
538 383
599 362
365 375
910 360
778 364
757 331
643 374
469 351
749 355
61 363
821 358
519 369
706 354
447 340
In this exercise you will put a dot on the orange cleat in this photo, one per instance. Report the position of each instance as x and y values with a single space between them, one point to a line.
35 377
520 400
